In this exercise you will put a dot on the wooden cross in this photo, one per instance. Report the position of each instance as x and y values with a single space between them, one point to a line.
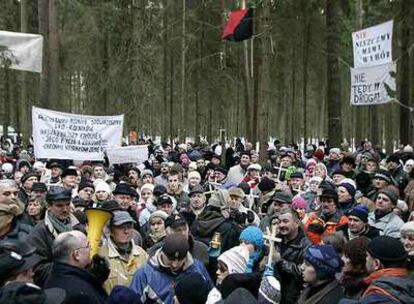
279 171
271 238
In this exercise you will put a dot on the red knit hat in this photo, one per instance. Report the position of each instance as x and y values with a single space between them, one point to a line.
319 154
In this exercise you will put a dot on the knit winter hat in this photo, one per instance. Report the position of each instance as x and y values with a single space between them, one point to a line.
335 150
408 227
194 174
235 259
299 203
269 291
101 185
191 288
85 183
361 212
392 196
159 213
383 175
266 184
387 249
253 235
324 259
349 187
147 186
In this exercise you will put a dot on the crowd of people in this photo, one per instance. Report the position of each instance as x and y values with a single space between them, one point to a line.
328 225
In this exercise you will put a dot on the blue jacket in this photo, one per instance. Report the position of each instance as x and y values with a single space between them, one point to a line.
155 283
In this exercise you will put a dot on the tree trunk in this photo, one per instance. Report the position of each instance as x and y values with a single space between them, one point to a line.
23 123
306 42
43 21
333 74
183 74
53 96
404 72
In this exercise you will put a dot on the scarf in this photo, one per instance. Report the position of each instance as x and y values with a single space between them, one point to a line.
123 249
379 215
58 225
157 236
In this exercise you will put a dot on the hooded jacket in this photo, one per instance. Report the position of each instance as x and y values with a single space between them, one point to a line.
154 282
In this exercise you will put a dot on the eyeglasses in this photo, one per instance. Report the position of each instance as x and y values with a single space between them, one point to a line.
83 247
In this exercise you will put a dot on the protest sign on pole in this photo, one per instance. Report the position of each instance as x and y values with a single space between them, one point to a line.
128 154
70 136
23 50
373 45
373 85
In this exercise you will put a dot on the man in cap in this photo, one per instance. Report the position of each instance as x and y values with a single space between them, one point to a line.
124 195
165 203
280 200
327 220
398 176
86 189
197 200
388 280
56 170
381 180
70 270
221 177
296 183
358 224
238 211
124 256
39 190
334 159
383 218
178 224
27 181
153 281
58 219
69 178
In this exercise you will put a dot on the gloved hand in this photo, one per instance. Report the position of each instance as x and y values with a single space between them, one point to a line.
269 271
100 268
250 217
238 216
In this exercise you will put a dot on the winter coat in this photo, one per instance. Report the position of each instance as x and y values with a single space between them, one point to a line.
289 267
80 285
41 237
387 290
370 233
122 268
317 225
236 174
323 293
155 284
19 231
198 250
182 198
389 225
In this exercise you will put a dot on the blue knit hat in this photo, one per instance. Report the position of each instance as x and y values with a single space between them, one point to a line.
253 235
324 259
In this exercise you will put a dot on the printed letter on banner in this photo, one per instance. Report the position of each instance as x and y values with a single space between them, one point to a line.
69 136
373 45
373 85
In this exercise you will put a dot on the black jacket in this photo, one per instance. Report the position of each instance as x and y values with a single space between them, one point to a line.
323 293
80 285
370 233
289 267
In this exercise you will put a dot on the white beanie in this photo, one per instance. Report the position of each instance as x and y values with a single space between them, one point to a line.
148 186
194 174
235 259
408 227
101 185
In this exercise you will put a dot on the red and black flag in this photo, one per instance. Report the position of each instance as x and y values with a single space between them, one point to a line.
239 26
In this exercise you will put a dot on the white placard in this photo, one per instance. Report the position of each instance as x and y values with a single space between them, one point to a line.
373 45
24 51
372 85
70 136
128 154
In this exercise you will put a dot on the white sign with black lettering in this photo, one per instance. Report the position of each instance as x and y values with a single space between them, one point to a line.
128 154
373 85
70 136
373 45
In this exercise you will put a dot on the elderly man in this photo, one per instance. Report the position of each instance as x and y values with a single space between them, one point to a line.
69 178
383 217
153 282
71 254
27 182
58 219
197 200
124 256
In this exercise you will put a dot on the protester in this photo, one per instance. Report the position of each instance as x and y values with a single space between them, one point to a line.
153 281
